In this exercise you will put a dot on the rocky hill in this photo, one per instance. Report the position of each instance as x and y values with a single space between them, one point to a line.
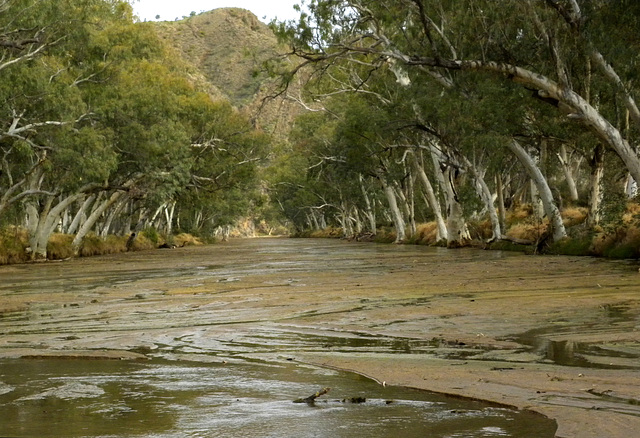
228 47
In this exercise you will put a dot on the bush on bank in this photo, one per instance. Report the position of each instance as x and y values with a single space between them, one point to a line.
620 240
14 244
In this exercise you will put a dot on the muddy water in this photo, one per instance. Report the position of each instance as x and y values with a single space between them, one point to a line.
221 328
170 399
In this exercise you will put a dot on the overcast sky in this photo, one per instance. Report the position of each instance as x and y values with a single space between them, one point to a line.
169 10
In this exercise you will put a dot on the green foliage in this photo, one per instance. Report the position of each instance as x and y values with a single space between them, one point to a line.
151 234
577 246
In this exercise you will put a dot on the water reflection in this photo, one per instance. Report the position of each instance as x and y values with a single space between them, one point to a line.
75 398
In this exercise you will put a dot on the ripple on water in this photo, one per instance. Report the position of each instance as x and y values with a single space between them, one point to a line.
165 399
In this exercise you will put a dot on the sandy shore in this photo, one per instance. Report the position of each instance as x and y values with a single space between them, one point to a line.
555 335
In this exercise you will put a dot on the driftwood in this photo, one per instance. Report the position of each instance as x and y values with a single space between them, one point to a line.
516 240
312 398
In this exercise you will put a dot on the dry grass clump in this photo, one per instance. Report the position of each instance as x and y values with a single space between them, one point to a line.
574 216
13 243
142 243
480 229
59 247
621 241
632 213
385 235
427 233
527 230
92 245
624 243
96 245
185 239
519 213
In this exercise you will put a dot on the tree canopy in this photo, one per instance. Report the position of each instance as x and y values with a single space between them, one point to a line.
497 103
454 113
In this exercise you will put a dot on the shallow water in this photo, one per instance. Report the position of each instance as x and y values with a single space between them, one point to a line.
77 398
255 303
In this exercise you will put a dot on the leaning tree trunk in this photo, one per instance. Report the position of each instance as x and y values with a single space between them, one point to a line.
407 207
80 215
542 186
432 200
91 220
106 227
396 214
41 224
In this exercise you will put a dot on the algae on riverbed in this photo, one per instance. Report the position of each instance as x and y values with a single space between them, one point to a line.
487 325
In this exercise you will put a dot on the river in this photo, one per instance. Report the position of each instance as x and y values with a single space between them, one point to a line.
219 340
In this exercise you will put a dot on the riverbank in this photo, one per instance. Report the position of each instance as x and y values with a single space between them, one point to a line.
557 335
584 402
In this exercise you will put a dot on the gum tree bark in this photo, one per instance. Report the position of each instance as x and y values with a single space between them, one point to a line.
91 220
563 156
487 198
396 214
595 186
434 204
369 212
551 210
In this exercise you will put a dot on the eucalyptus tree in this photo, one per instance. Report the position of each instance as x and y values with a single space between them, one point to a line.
227 155
51 153
532 44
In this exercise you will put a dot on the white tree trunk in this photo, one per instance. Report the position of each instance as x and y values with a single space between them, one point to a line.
106 227
457 231
407 207
370 212
567 169
546 196
537 205
502 213
396 214
91 220
168 213
80 215
487 198
41 224
595 187
432 200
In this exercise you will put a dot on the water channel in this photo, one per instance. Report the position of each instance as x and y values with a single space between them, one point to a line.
216 330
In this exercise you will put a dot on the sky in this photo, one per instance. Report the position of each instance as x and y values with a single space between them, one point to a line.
169 10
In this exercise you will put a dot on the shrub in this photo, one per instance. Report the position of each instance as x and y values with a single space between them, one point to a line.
59 247
184 239
13 244
91 245
572 246
151 234
427 234
527 231
574 216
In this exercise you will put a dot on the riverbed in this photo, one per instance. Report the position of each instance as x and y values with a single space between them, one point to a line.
552 335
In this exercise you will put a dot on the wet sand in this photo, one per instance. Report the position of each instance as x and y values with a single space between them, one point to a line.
556 335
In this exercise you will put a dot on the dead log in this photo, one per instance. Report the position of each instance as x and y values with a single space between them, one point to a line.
312 398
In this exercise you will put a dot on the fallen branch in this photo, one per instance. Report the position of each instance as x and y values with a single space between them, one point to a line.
312 398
